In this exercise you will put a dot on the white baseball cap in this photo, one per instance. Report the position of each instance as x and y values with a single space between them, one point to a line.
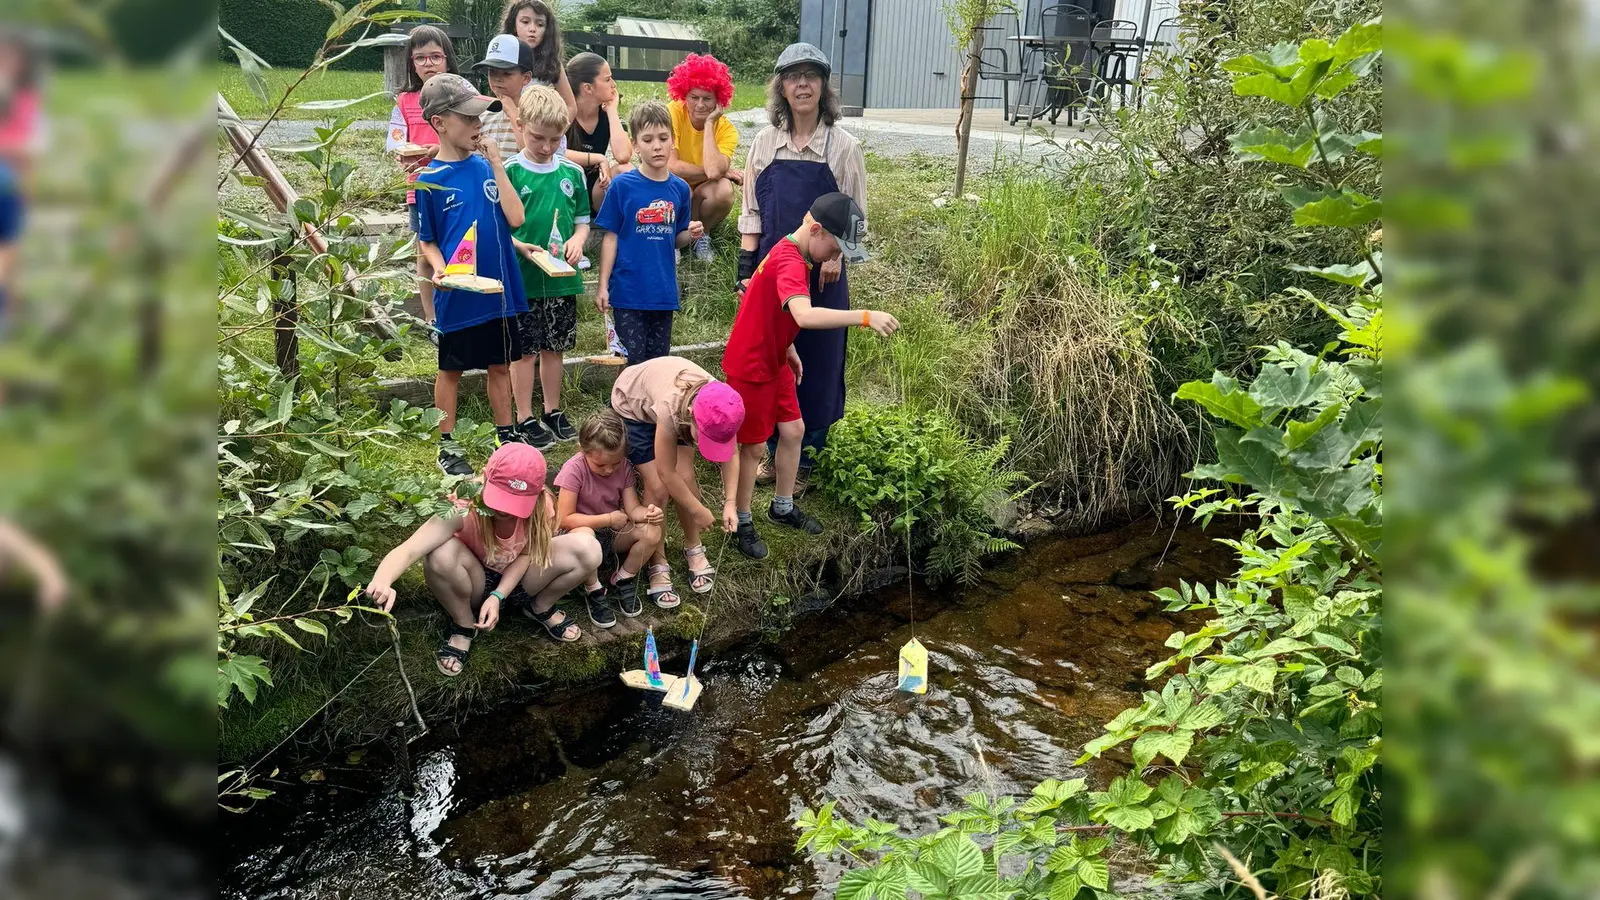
506 52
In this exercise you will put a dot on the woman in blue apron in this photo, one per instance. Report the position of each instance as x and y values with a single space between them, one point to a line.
801 100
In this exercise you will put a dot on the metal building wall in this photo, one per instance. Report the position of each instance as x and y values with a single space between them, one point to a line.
821 23
912 63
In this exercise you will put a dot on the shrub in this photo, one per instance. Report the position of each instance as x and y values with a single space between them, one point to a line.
288 32
901 468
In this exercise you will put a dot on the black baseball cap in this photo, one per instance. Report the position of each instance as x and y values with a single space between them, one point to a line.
841 217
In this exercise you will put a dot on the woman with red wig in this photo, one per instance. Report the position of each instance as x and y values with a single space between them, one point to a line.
703 142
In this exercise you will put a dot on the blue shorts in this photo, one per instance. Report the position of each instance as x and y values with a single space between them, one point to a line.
413 217
642 441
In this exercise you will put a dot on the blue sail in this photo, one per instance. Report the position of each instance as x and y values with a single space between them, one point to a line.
652 661
689 676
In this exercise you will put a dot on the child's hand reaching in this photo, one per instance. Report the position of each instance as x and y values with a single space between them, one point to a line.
730 517
703 517
525 249
618 519
697 230
489 613
883 323
649 515
602 299
573 250
382 595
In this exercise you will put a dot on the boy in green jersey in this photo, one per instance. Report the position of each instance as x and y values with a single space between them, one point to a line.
555 225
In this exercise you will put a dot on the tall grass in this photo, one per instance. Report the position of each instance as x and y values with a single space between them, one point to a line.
1015 326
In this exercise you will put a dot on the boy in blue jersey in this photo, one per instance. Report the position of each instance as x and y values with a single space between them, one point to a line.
460 193
645 216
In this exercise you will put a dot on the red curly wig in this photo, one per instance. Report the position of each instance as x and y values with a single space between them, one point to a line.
698 72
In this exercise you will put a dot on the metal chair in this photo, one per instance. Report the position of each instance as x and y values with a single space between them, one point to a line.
1114 62
995 60
1163 43
1065 66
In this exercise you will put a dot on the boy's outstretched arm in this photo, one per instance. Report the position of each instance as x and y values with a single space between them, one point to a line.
47 575
808 316
430 537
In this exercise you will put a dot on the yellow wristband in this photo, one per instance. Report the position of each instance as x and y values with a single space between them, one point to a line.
866 318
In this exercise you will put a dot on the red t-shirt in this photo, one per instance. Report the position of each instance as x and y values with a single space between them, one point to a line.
763 330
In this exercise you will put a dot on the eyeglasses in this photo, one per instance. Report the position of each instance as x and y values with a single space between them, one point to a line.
428 58
797 75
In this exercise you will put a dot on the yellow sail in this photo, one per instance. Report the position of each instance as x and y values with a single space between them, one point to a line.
465 260
914 667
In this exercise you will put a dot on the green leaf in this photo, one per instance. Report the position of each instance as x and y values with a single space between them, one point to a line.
925 878
1206 715
1335 209
1094 873
285 407
1128 790
1174 745
311 626
1246 463
1065 886
1274 145
1063 859
1280 646
250 65
1233 405
1277 387
243 602
1355 276
856 884
1259 676
339 104
1335 642
1090 846
1358 41
1281 59
242 672
1350 675
1128 818
1364 422
957 856
1344 492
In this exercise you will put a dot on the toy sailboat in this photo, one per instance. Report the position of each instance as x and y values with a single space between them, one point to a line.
461 273
683 694
618 356
914 667
650 678
553 263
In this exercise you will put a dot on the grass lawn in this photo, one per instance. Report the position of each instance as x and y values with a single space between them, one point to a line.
339 85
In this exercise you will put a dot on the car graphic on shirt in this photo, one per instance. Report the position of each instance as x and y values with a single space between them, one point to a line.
661 212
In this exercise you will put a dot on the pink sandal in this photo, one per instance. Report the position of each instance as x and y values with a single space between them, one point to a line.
664 595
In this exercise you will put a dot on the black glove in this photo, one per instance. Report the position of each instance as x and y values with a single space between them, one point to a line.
747 267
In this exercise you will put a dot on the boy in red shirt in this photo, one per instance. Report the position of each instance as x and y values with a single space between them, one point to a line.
760 361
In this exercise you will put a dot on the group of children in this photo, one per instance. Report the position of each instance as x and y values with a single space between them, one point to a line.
507 205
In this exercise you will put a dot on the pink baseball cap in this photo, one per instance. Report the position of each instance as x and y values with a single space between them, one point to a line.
514 479
718 413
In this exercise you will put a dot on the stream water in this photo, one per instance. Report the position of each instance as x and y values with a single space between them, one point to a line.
607 795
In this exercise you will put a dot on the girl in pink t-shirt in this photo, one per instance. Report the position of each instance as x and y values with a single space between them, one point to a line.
595 489
503 549
428 52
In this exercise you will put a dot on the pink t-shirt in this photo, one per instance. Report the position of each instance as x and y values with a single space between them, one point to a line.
596 496
505 549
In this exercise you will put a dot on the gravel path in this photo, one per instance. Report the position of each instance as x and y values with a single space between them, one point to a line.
890 139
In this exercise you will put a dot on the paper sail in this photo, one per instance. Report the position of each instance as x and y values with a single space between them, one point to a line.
688 677
613 343
914 667
652 661
465 260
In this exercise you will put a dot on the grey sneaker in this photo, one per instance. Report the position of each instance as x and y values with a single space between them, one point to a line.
702 249
532 431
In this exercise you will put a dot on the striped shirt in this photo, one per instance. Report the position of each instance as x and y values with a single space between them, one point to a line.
845 159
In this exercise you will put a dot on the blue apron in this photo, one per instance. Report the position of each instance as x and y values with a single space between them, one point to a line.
785 191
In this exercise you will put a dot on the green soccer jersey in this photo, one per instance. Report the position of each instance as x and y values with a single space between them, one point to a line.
555 199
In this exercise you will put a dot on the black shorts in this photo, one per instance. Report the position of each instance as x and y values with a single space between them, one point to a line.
551 323
516 597
492 343
645 333
642 441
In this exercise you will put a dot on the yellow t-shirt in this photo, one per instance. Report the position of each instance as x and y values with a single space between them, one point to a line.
691 141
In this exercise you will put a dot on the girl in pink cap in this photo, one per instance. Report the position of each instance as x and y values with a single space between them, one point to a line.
667 403
504 548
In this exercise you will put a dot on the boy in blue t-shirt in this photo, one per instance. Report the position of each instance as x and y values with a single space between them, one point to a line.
458 191
646 219
10 233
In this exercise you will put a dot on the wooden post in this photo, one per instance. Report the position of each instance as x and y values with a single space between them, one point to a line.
283 196
286 341
969 87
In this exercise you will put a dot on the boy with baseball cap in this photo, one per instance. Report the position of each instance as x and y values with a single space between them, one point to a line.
459 195
761 364
509 65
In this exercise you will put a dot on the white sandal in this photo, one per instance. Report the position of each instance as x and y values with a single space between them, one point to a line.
701 580
665 596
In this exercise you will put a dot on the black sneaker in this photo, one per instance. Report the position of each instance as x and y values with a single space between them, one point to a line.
452 461
558 425
600 608
532 431
795 518
626 594
750 543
